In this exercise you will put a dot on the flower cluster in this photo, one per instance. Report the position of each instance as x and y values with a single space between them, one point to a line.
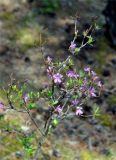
72 45
78 86
69 89
71 74
57 78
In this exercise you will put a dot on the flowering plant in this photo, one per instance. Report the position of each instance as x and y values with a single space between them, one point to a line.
68 90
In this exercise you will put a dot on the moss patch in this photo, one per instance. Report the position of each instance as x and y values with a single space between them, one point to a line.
112 100
8 16
105 120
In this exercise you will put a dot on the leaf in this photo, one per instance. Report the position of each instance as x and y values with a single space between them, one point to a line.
55 122
96 111
70 62
77 50
32 106
49 93
54 102
90 39
82 74
97 27
14 87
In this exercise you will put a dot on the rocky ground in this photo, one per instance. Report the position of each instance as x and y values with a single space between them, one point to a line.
20 30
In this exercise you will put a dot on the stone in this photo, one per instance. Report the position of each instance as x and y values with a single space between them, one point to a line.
18 154
99 128
56 153
92 121
105 152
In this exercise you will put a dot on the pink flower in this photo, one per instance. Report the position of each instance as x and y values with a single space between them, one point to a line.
58 109
57 78
49 59
83 88
1 106
87 69
75 102
25 98
49 70
99 84
79 111
92 92
72 45
93 73
71 74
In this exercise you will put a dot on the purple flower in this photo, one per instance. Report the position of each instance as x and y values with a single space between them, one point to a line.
79 111
49 70
75 102
92 92
72 45
1 105
58 109
71 74
25 98
57 78
87 69
93 73
49 59
83 88
99 84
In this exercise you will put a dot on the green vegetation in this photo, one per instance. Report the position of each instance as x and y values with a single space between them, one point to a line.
112 100
8 16
49 6
105 120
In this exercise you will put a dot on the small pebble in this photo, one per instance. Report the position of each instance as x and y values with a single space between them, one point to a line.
92 121
56 153
18 154
99 128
